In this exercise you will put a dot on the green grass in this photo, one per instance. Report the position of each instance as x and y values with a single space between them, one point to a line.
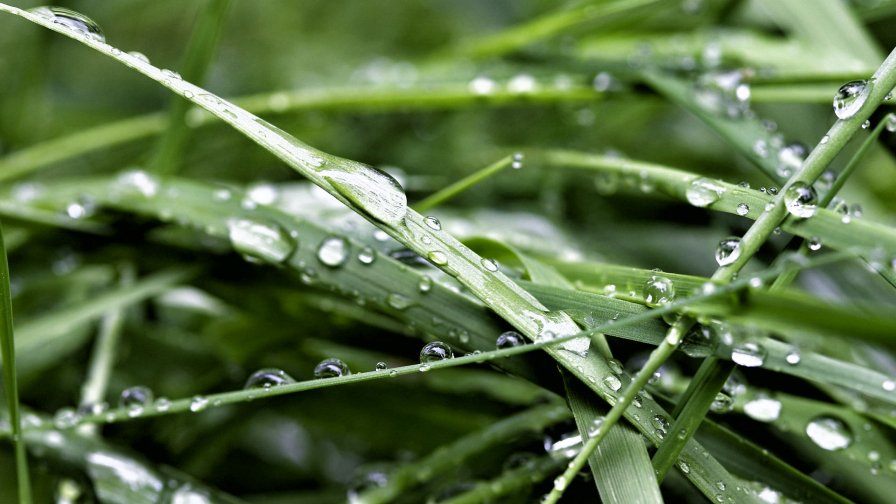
154 241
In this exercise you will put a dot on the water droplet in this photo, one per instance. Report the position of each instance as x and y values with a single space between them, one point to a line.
425 284
850 98
83 208
612 382
793 357
522 84
509 339
560 483
73 21
435 351
660 423
432 223
267 378
398 301
594 428
367 255
198 403
139 56
866 124
658 290
888 385
742 209
517 161
829 433
723 93
702 192
138 396
814 243
489 264
65 418
137 182
331 368
333 251
801 200
825 139
437 257
891 123
425 367
748 355
728 251
482 86
263 193
373 191
163 404
260 241
685 468
603 82
722 403
763 409
381 366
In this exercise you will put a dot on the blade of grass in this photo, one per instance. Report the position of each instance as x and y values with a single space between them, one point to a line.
10 380
465 183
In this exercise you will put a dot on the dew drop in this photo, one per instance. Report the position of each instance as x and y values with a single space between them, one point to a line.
748 355
260 241
742 209
702 192
263 193
829 433
489 264
850 98
437 257
723 93
888 385
135 396
333 251
331 368
728 251
65 418
373 191
814 244
612 382
434 352
163 404
366 255
482 86
793 357
381 366
801 200
73 21
139 56
517 161
603 81
136 182
399 302
684 466
432 223
522 84
267 378
658 290
722 403
425 284
866 124
763 409
198 403
824 139
509 339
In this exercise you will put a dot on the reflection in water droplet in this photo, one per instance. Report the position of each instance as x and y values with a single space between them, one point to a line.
267 378
763 409
829 433
801 200
509 339
702 192
373 191
260 241
333 251
728 251
432 222
748 355
850 98
658 290
135 396
331 368
74 21
198 403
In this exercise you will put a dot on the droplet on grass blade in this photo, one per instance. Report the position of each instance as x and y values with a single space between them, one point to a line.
728 251
850 98
748 355
373 191
135 396
509 339
801 200
333 251
658 290
331 368
702 192
434 352
267 378
260 241
75 22
829 433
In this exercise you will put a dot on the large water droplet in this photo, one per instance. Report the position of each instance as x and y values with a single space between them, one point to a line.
829 433
331 368
435 351
658 290
801 200
73 21
702 192
850 98
137 396
373 191
764 409
267 378
432 222
260 241
748 355
509 339
333 251
728 251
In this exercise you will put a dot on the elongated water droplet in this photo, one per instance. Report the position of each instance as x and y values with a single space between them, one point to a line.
801 200
263 193
198 403
763 409
658 290
373 191
333 251
260 241
509 339
728 251
437 257
432 222
612 382
829 433
267 378
748 355
850 98
331 368
398 301
435 351
73 21
489 264
702 192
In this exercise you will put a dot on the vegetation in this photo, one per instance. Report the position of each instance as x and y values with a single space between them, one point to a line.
605 251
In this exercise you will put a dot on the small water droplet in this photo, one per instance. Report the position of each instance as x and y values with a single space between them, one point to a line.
267 378
367 255
829 433
198 403
263 193
333 251
381 366
850 98
489 264
748 355
724 93
793 357
163 404
437 257
728 251
814 243
888 385
435 351
722 403
139 56
801 200
742 209
65 418
136 182
260 241
685 468
517 161
702 192
399 302
135 396
432 223
73 21
658 290
482 86
509 339
522 84
763 409
425 284
612 382
824 139
891 123
594 428
331 368
866 124
603 82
